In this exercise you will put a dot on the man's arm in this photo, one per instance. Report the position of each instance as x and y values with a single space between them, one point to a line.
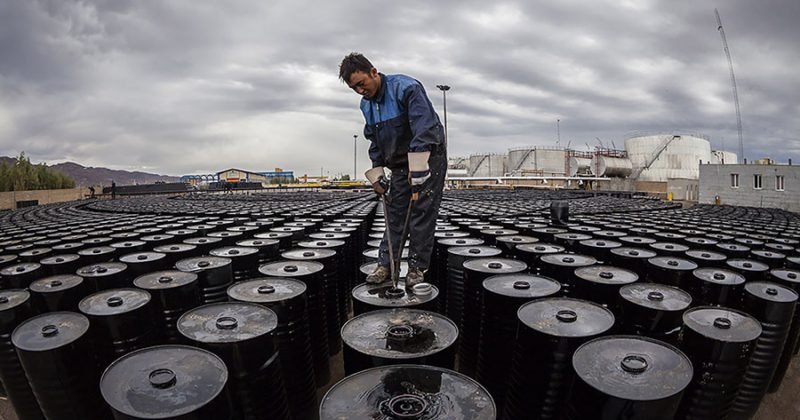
422 118
374 153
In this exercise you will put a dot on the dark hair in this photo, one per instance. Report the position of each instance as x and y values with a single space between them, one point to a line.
352 63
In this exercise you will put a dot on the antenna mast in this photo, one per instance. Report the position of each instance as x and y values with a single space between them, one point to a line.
733 83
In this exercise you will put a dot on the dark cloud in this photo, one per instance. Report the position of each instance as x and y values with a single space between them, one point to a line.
183 86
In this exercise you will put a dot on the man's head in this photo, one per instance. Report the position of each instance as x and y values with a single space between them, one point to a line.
360 75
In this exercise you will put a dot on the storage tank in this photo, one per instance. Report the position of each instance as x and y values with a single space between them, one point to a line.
579 166
672 155
723 157
483 165
540 160
611 166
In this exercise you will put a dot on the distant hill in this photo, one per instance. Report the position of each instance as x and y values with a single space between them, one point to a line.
86 176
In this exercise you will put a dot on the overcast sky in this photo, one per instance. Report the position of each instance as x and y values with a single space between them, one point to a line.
188 86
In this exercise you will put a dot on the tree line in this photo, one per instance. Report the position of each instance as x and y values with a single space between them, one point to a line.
22 175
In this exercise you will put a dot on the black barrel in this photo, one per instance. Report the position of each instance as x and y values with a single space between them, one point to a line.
570 240
144 262
773 306
599 248
752 270
97 254
61 264
345 272
716 287
332 281
369 297
455 275
669 249
733 250
773 259
34 254
203 244
627 377
309 273
284 238
244 261
469 322
214 275
287 298
652 310
561 267
58 293
175 252
398 336
672 271
105 275
407 392
548 332
601 284
705 258
437 274
167 382
20 276
509 243
531 254
634 259
123 320
240 333
15 308
173 292
790 279
268 249
58 358
719 342
502 297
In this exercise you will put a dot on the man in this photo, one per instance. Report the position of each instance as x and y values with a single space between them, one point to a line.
407 138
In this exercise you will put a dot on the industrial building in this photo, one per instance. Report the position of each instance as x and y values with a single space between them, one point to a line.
278 176
755 185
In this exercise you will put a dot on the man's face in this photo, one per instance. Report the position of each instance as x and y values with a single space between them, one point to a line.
365 84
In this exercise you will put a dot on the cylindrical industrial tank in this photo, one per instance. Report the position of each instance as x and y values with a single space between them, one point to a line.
482 165
611 166
680 159
543 160
578 165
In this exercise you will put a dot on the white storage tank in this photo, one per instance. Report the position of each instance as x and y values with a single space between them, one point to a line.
541 160
680 157
722 157
487 165
579 166
611 166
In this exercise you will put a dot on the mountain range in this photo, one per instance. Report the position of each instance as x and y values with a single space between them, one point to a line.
87 175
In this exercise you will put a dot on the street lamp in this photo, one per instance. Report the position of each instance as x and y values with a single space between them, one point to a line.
444 89
355 153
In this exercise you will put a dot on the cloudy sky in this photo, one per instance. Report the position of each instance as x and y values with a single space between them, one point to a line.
188 86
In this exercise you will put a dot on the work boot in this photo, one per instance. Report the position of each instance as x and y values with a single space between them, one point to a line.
415 276
379 275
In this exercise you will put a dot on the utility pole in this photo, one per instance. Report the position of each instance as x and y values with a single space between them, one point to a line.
558 128
355 154
444 89
733 83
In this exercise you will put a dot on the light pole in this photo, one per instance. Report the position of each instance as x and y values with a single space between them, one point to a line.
444 89
355 153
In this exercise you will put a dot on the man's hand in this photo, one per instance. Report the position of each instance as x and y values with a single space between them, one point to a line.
417 180
418 171
377 178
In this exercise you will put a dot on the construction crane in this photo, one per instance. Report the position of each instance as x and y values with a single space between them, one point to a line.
733 83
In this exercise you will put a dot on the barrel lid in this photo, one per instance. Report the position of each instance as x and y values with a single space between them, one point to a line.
407 392
475 251
203 240
495 265
399 333
102 269
609 233
326 235
56 283
141 257
700 241
114 302
34 252
450 234
163 381
67 246
771 292
227 322
768 254
606 274
226 234
669 247
718 276
20 269
631 252
520 285
656 296
59 259
517 239
669 235
702 255
722 324
673 263
637 240
295 268
385 295
127 244
49 331
11 298
633 368
97 250
322 243
174 248
601 243
308 254
541 248
5 259
732 247
569 260
205 262
784 248
786 275
266 290
747 265
565 317
460 242
166 279
573 236
181 232
233 251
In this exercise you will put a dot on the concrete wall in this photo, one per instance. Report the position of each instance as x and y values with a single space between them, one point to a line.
8 200
716 180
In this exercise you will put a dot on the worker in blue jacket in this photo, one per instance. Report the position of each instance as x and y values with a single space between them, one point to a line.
408 139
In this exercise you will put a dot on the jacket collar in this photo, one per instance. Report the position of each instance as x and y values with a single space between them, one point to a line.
382 90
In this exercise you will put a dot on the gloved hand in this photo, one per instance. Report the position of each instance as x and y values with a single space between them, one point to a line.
377 177
418 171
